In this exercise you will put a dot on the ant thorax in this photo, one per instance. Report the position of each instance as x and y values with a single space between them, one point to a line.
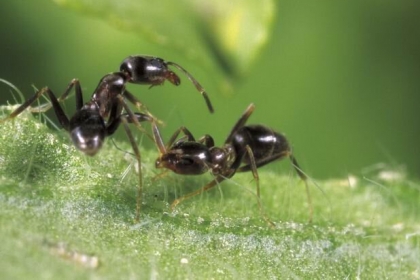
222 159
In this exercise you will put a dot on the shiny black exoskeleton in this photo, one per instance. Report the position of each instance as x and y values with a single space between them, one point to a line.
246 149
100 117
96 119
149 70
103 113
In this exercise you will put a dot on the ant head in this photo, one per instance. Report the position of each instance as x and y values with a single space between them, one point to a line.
89 136
149 70
189 159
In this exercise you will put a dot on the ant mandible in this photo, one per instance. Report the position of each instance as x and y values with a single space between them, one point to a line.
247 148
150 70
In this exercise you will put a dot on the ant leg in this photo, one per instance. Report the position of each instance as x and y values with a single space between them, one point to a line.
79 97
62 118
25 105
130 97
131 116
115 123
195 82
161 175
241 122
264 161
207 140
304 179
138 158
78 92
210 185
45 107
296 166
159 140
184 130
113 117
257 180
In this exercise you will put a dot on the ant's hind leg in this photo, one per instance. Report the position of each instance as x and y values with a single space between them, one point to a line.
79 98
64 121
174 136
25 105
305 180
159 141
45 107
253 168
207 187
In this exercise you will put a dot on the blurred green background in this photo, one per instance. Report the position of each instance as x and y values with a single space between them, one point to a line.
340 78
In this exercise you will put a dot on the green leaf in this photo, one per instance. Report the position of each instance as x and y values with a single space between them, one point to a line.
64 216
224 36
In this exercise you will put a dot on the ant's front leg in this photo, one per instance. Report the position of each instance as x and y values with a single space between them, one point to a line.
130 117
253 167
187 134
207 140
113 126
159 140
305 180
131 98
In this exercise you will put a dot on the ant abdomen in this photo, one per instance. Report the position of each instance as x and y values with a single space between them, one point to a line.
264 143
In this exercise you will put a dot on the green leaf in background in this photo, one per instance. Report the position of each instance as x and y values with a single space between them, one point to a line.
225 36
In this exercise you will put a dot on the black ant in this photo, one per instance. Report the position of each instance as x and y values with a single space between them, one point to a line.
142 69
94 120
247 148
98 118
88 126
101 116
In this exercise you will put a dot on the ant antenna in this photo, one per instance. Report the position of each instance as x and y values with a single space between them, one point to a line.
196 84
